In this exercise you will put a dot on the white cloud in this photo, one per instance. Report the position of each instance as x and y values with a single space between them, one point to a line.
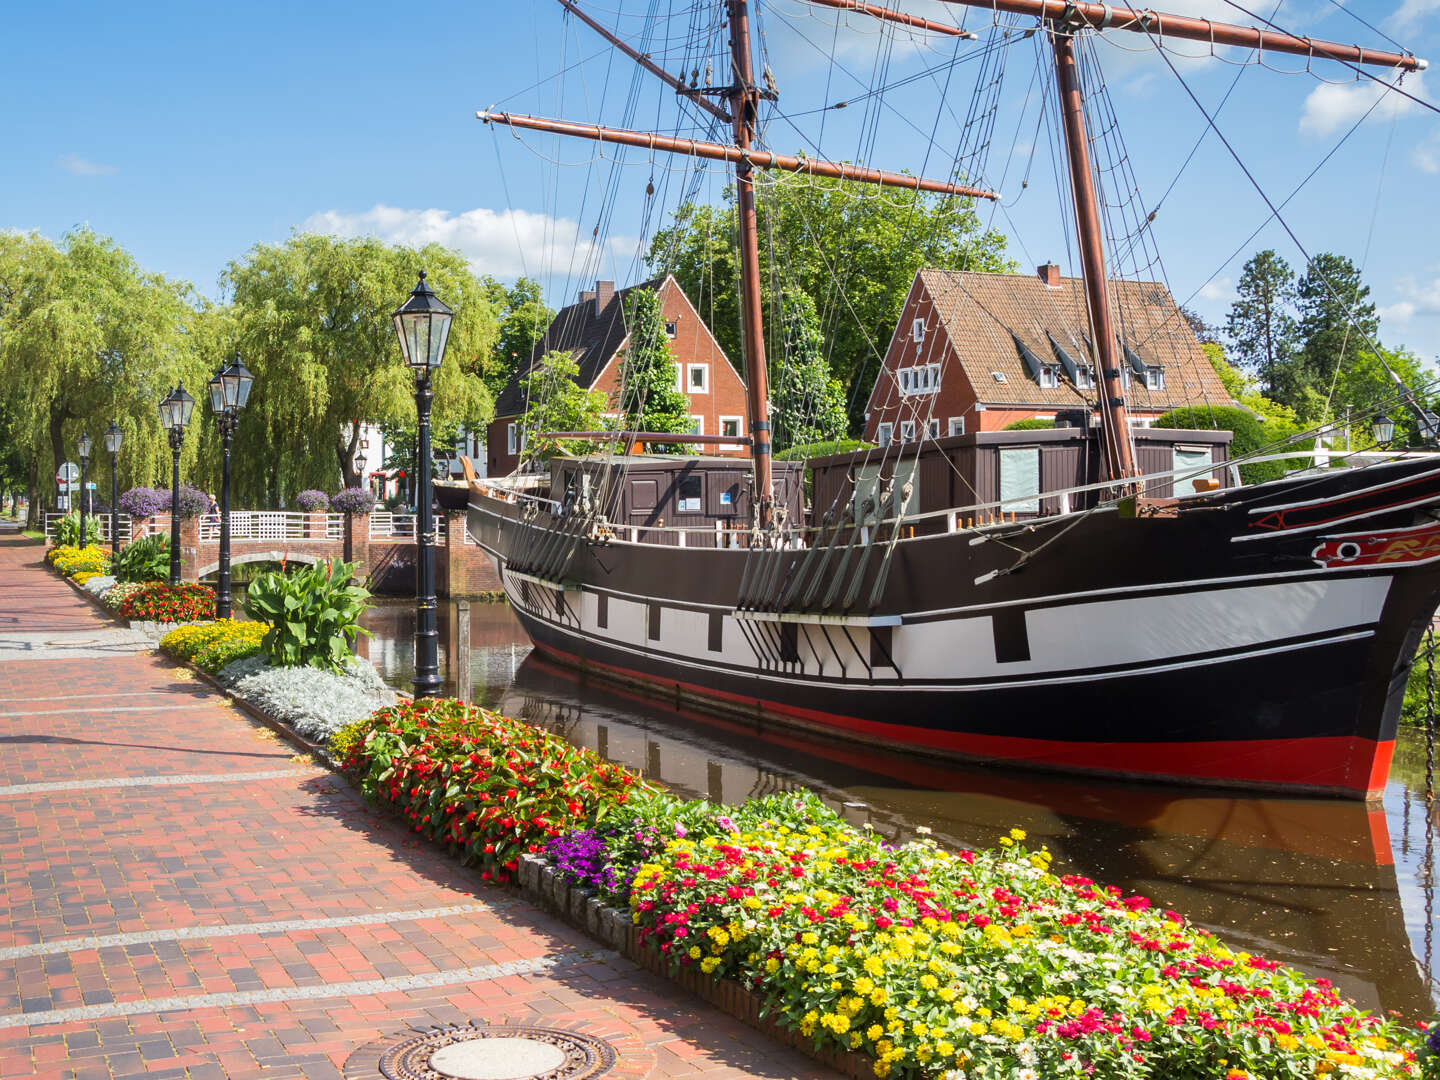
1333 106
1411 11
79 166
504 243
1218 290
1426 154
1416 298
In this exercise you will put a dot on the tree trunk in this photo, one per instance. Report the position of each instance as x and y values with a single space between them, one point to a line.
346 453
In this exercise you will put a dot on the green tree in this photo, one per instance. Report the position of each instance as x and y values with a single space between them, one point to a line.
1245 391
87 337
650 394
313 319
524 317
853 249
1367 382
1262 330
557 402
807 403
1337 321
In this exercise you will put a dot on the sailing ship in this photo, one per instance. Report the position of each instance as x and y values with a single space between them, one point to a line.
1174 626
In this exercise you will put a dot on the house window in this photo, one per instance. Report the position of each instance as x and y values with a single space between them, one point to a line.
884 433
907 377
1085 378
917 330
919 379
670 329
697 425
1020 480
1048 376
512 439
690 494
957 425
907 431
699 378
730 426
1154 378
932 427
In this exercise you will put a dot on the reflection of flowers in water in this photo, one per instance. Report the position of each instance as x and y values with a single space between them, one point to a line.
1433 1042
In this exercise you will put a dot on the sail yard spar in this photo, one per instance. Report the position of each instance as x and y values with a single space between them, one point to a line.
1064 20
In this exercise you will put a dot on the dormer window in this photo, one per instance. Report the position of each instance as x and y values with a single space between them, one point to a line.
1084 377
1155 378
1048 376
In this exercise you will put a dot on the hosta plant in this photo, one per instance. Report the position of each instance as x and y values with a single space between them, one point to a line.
146 559
67 530
313 614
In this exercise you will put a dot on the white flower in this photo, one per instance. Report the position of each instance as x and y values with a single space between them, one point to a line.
923 830
1025 1053
1027 1074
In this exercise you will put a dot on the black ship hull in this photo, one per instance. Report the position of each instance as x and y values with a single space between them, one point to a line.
1257 638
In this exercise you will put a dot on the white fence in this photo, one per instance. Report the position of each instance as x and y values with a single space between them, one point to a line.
52 522
273 525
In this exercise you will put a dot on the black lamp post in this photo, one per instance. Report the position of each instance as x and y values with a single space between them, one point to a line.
84 445
350 514
229 391
174 415
422 324
113 438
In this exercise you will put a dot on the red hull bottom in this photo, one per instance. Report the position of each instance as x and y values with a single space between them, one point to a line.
1350 767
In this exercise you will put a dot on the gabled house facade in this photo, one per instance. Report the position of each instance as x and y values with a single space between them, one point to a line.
593 331
976 352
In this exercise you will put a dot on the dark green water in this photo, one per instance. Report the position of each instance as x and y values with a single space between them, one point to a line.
1336 888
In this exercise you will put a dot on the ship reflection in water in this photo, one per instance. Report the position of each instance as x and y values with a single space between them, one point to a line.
1336 888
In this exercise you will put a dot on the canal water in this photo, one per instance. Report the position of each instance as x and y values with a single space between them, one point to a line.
1336 888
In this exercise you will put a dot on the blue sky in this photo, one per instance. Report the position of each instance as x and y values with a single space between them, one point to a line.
191 132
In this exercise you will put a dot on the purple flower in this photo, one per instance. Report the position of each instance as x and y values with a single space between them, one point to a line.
582 855
356 500
143 502
680 830
1433 1042
312 501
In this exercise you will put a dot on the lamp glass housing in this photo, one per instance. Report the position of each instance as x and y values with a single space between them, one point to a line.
236 381
85 446
422 325
113 438
175 410
1383 428
217 393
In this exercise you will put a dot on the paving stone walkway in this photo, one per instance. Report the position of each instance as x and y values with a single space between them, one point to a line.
181 895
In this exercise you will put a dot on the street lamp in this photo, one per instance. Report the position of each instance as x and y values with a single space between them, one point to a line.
174 415
229 391
84 444
364 483
1383 428
422 324
113 438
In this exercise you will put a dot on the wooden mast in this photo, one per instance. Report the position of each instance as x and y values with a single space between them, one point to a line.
744 107
1115 429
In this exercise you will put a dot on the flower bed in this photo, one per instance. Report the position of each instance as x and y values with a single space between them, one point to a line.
314 702
70 560
212 645
156 601
98 586
117 594
492 786
983 965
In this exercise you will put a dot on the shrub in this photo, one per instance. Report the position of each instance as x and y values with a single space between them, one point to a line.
356 500
312 501
156 601
822 449
315 703
313 614
143 502
67 530
147 559
1250 436
1033 423
508 787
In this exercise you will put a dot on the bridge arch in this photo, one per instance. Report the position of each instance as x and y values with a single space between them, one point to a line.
260 556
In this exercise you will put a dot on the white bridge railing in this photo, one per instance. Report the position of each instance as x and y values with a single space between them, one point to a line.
52 522
388 528
273 525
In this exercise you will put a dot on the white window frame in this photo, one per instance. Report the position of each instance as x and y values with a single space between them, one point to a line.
917 331
1085 378
1154 378
957 425
512 439
699 425
885 434
671 328
1048 377
918 379
736 420
932 427
907 431
905 378
690 387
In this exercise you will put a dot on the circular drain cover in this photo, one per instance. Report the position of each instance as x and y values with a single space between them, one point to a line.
501 1052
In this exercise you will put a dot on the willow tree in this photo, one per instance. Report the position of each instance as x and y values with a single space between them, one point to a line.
313 325
87 337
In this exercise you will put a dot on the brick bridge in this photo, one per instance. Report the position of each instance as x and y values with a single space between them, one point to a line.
382 545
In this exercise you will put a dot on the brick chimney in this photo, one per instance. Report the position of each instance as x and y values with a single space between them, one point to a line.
585 297
604 290
1049 274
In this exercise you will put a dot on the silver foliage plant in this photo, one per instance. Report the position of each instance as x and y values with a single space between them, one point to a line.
97 586
315 703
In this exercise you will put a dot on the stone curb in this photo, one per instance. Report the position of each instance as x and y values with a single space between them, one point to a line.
540 882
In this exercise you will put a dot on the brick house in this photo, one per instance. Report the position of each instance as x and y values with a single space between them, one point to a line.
593 331
977 352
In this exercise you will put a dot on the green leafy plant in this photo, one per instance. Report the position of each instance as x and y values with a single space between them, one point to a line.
147 559
313 614
67 532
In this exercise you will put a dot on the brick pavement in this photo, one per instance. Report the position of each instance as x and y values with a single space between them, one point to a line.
183 896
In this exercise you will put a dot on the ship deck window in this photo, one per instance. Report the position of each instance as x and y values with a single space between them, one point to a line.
1020 480
689 495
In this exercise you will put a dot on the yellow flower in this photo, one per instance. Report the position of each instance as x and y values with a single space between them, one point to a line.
771 966
874 1032
863 985
928 981
694 952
